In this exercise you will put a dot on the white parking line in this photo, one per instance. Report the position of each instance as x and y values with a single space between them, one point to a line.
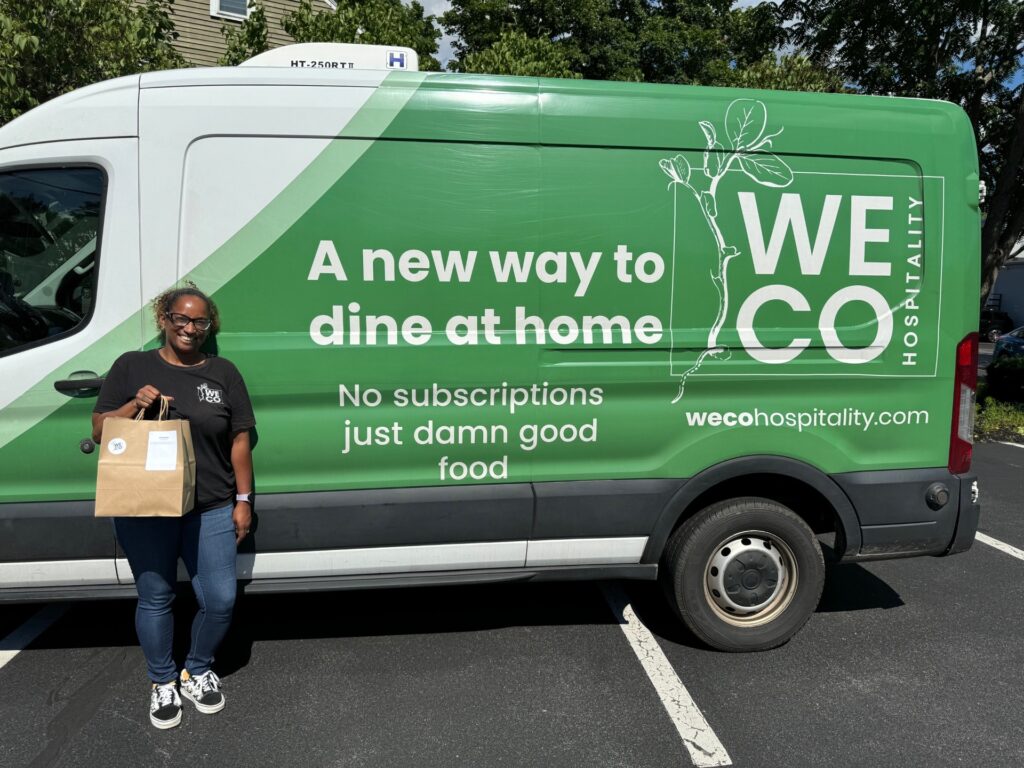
1001 546
19 639
1015 445
701 742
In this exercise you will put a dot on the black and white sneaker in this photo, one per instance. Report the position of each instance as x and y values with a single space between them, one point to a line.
165 705
203 691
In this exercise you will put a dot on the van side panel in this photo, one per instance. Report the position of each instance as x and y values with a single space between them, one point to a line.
679 305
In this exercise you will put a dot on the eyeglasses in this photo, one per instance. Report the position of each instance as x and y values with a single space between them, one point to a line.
180 321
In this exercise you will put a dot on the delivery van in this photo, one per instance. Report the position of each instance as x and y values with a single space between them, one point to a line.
507 328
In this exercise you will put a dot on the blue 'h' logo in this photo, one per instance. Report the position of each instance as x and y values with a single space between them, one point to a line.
396 60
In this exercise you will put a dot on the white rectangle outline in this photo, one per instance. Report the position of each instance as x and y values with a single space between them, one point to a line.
850 374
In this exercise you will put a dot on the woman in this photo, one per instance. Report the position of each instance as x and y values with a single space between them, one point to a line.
210 393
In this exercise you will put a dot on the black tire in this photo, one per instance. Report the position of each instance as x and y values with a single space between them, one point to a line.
763 564
994 334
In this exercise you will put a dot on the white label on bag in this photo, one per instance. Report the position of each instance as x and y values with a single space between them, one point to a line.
117 446
162 454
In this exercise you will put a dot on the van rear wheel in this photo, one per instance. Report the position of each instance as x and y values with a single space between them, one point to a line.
744 574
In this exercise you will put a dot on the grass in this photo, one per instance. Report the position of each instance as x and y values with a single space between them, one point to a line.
998 420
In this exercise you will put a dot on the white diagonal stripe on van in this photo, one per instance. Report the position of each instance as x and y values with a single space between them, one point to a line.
700 740
33 404
308 187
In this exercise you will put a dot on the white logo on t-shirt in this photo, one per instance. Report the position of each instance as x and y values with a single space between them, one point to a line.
208 394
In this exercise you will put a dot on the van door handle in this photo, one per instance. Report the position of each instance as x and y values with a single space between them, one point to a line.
80 384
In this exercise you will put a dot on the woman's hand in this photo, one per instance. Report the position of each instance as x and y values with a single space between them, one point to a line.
146 396
243 520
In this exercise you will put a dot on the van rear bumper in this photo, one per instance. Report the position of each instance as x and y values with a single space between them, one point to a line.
906 513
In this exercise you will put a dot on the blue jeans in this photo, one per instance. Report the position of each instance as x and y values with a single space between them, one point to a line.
205 541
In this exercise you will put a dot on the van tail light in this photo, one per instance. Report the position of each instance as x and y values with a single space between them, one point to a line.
965 387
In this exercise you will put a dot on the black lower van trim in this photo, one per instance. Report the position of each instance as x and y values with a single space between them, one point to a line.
901 518
740 476
395 517
596 508
53 530
392 517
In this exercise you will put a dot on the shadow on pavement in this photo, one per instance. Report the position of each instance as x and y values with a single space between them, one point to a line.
851 587
424 611
408 611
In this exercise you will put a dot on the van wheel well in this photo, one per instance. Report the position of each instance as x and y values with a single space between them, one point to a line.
803 499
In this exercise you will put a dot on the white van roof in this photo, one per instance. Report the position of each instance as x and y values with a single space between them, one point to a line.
110 108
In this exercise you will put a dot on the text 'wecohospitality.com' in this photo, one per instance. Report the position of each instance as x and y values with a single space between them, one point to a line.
816 418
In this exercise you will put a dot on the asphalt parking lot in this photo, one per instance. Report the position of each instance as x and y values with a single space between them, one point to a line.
913 662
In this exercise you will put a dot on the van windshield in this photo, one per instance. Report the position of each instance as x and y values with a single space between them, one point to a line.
49 224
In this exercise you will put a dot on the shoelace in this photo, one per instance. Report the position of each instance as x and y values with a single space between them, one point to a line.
208 681
164 695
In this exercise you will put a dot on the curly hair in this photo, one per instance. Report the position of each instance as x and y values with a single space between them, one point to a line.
162 305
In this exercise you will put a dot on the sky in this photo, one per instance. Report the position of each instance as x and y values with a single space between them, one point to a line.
444 45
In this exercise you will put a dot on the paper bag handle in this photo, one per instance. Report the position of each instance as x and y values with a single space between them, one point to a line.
165 406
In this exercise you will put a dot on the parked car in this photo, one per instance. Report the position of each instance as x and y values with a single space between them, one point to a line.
1009 345
994 324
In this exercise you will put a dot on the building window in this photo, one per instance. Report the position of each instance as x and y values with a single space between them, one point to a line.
230 9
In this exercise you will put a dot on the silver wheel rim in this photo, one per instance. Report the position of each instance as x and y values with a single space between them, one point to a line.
750 578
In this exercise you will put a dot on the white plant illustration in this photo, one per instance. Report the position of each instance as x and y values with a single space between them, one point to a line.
746 121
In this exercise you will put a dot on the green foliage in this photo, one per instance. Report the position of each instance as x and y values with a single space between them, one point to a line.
53 47
678 41
372 22
247 39
790 73
998 420
513 53
964 51
1005 379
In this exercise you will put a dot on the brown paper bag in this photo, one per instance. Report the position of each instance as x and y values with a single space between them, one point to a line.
146 468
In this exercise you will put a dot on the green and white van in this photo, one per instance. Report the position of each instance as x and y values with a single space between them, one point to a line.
504 328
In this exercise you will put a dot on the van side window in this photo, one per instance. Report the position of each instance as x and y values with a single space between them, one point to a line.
49 230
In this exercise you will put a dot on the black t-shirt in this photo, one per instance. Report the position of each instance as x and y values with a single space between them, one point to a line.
211 395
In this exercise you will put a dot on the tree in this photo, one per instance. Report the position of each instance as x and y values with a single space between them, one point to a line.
247 39
50 48
374 22
513 53
683 41
969 52
790 73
